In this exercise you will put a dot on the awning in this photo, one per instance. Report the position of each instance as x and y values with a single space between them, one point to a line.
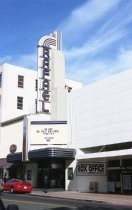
4 163
50 152
127 153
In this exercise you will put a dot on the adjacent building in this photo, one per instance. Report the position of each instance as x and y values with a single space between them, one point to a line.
102 135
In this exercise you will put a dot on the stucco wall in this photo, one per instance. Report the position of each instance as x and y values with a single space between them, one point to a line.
10 91
11 134
102 112
82 183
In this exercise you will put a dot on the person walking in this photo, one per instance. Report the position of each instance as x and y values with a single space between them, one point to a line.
5 178
45 184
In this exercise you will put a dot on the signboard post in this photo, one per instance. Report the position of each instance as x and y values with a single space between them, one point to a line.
70 173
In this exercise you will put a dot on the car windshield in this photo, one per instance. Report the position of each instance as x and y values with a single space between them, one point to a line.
14 180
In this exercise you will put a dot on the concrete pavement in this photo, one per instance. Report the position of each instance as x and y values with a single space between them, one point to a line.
125 200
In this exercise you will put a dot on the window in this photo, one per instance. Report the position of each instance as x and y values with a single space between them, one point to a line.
19 102
36 84
20 81
36 105
0 80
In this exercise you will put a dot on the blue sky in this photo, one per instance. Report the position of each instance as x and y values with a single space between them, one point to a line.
97 34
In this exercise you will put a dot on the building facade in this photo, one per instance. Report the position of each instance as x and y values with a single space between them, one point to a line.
35 136
102 135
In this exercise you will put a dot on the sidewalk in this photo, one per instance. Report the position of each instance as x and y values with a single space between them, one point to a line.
125 200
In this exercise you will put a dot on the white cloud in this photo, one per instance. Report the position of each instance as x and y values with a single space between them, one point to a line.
125 58
28 61
111 30
102 27
95 44
82 18
90 71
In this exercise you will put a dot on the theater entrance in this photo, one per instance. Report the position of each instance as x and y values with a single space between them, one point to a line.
54 170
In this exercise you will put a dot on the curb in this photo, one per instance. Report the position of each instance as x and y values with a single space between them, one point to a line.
114 203
78 199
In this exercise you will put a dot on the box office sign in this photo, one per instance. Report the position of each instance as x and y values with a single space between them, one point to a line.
87 169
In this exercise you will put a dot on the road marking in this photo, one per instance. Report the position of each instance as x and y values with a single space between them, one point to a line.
31 202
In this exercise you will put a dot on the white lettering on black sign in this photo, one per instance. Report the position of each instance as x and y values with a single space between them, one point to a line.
90 169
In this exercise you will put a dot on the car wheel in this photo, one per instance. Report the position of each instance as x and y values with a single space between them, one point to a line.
12 190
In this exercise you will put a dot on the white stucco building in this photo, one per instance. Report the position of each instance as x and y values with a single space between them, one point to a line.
101 116
34 127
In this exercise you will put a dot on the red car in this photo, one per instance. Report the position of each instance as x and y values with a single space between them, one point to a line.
16 185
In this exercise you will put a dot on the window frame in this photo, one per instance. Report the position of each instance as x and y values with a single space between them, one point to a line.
36 84
0 79
20 81
19 102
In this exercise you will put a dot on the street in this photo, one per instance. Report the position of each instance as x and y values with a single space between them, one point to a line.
27 202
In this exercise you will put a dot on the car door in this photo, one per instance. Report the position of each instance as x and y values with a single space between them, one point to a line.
7 185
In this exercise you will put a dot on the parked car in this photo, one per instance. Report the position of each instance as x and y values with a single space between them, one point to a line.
16 185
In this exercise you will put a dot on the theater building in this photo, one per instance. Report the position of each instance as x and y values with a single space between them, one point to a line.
35 136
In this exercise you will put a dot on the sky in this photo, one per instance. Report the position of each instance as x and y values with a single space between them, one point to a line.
97 34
